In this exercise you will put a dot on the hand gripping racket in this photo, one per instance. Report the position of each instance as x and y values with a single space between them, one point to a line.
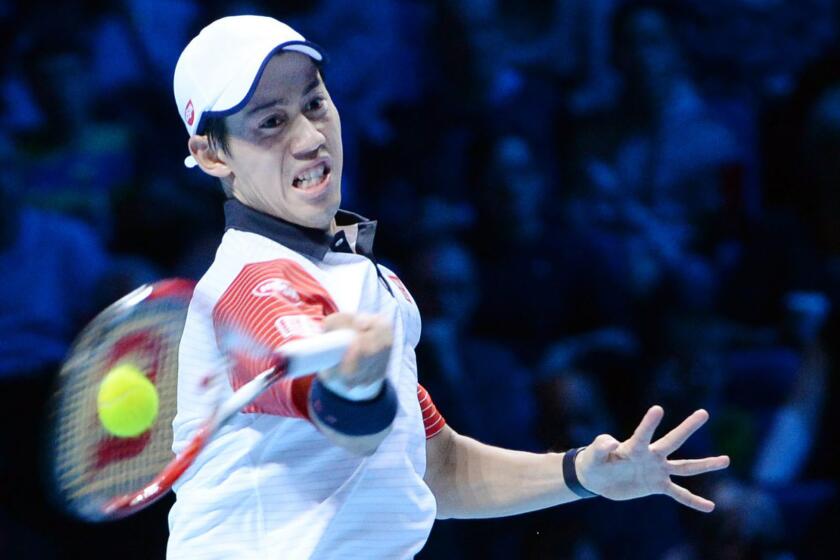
97 476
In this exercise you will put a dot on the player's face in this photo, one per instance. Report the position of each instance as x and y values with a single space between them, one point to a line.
285 145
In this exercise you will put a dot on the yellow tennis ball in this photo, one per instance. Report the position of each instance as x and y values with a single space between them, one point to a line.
127 402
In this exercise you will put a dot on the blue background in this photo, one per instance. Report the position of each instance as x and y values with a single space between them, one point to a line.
598 205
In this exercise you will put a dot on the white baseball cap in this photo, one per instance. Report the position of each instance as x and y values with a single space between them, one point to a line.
218 70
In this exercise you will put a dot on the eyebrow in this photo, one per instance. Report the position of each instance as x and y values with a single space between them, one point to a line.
281 101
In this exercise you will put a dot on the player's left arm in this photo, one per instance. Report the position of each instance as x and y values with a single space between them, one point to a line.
471 480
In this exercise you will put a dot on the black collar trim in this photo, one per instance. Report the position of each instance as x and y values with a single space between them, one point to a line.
310 242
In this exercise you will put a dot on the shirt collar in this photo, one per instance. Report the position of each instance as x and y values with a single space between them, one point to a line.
310 242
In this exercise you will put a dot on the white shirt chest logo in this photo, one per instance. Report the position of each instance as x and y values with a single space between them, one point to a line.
278 289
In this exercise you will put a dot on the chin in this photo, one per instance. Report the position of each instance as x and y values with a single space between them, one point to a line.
321 219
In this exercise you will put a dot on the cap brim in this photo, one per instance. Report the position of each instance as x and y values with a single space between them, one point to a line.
242 88
312 50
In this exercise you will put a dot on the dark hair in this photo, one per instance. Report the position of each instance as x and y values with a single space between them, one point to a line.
217 133
218 136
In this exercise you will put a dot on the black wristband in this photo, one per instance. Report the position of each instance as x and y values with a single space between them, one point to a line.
570 475
354 418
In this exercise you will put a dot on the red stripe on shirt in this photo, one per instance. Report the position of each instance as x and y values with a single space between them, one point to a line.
271 303
262 295
433 420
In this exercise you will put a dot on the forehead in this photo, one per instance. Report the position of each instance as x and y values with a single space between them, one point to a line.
286 74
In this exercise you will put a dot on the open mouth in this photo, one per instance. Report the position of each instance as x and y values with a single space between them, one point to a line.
312 178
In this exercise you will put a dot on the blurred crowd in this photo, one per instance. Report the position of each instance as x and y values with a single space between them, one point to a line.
598 205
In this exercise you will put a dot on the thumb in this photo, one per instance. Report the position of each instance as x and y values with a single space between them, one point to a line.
603 446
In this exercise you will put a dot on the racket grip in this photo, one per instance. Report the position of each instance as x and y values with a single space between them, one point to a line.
316 353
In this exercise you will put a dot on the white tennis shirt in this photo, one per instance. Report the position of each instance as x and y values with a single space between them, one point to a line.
269 485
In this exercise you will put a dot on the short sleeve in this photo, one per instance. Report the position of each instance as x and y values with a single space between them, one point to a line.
270 303
433 421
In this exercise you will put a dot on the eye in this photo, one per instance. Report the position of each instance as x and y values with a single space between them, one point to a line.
274 121
316 105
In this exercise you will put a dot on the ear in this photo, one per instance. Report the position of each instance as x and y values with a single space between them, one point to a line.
210 160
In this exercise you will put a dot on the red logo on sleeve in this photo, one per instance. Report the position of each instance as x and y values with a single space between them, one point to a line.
277 288
401 287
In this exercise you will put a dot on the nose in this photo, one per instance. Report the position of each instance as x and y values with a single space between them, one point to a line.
306 139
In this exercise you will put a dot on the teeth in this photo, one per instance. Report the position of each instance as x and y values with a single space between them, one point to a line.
311 177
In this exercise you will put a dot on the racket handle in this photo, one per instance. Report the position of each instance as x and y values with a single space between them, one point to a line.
316 353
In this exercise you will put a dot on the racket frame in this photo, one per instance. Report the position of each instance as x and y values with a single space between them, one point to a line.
297 358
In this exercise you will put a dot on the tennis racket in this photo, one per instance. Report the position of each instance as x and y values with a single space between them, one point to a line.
97 476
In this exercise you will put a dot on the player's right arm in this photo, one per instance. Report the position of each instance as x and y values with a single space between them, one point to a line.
275 302
360 375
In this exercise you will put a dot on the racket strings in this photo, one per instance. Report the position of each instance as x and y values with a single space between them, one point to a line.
92 466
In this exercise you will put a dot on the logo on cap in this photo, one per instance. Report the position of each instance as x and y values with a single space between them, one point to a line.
189 113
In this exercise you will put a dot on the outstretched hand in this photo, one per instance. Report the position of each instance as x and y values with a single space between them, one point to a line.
623 470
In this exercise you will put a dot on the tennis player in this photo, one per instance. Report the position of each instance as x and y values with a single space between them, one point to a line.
354 462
